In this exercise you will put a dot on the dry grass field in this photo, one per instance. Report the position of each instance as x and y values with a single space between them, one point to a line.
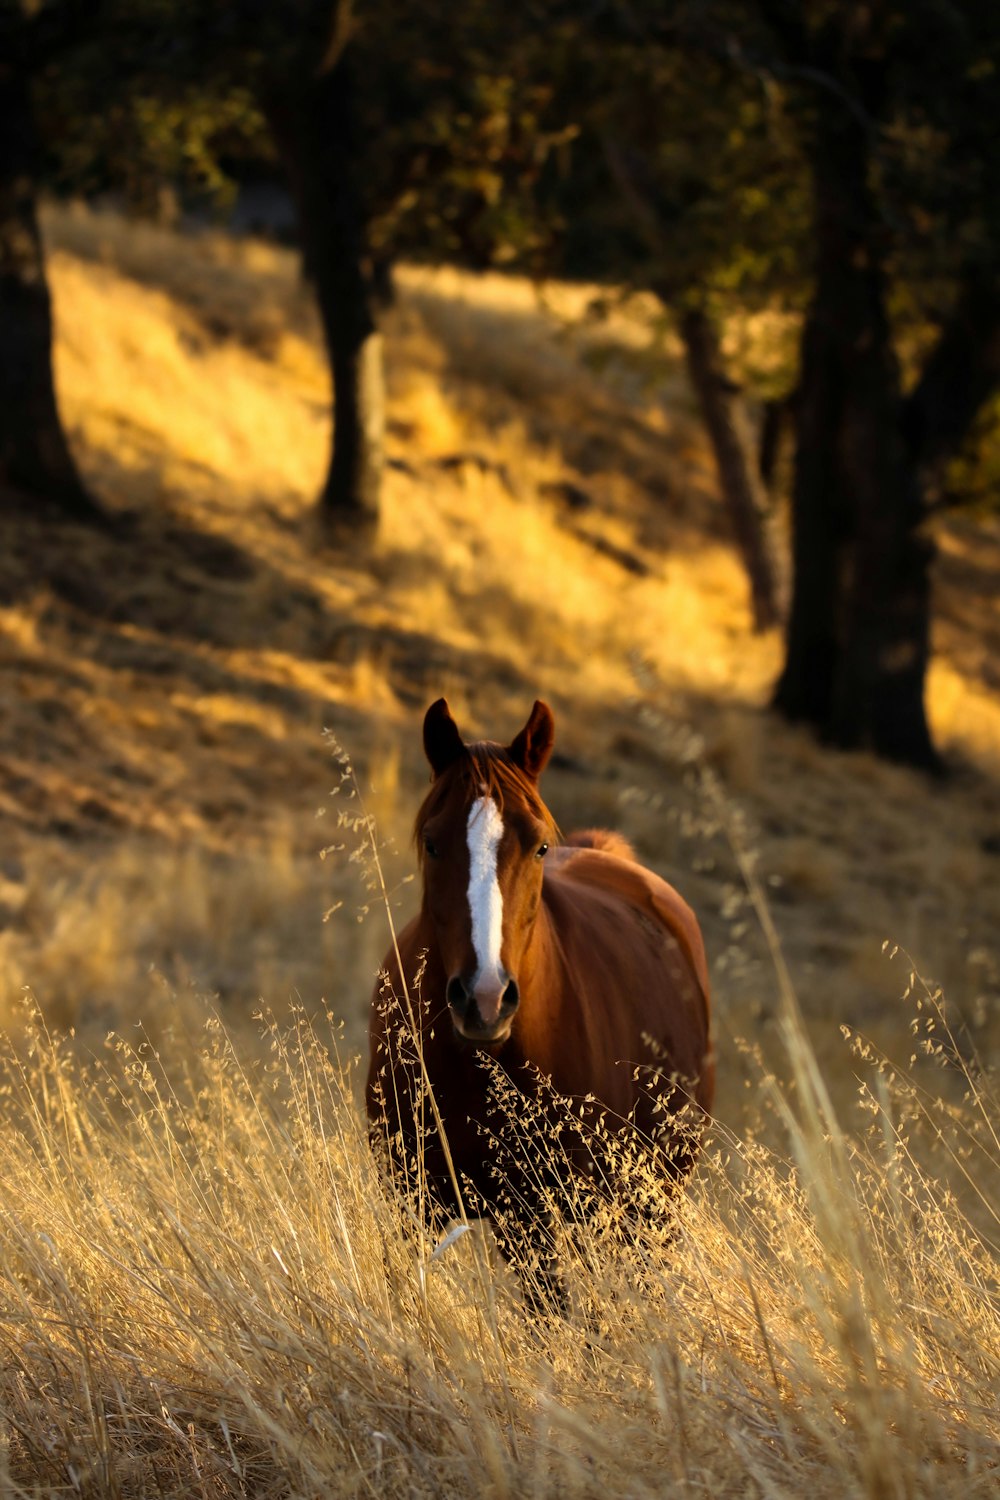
203 1290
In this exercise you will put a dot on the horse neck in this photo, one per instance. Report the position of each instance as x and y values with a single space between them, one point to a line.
535 980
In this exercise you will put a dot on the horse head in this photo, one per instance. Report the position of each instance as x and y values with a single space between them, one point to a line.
482 835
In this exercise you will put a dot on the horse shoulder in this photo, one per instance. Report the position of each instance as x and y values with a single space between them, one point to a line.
600 868
592 884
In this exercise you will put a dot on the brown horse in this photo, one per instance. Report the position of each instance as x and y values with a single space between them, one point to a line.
580 973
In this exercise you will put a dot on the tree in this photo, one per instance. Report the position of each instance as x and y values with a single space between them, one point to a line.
310 104
706 247
726 421
889 117
880 94
35 460
399 126
167 93
404 129
647 174
717 125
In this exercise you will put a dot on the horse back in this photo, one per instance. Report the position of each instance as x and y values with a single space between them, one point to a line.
598 838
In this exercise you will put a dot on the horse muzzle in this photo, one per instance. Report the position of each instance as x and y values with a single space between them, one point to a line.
482 1015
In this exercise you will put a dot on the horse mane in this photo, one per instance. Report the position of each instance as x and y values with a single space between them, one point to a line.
487 770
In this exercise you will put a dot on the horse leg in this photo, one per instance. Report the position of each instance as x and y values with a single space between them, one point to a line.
528 1246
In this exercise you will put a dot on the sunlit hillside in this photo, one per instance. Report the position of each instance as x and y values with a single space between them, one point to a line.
551 528
204 1289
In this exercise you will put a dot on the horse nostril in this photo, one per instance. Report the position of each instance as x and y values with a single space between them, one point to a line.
456 994
479 1010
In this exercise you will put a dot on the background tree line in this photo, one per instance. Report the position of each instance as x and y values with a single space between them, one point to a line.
833 160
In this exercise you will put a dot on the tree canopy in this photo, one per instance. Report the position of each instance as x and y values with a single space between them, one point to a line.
835 161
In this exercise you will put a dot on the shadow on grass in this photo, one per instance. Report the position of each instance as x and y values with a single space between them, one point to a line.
161 676
595 418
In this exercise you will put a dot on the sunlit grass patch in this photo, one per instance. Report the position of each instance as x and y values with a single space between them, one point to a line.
196 919
207 1289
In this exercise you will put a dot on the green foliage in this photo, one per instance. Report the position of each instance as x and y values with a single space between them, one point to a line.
688 178
456 129
664 146
149 100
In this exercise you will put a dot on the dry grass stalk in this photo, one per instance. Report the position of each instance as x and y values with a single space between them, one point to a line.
206 1291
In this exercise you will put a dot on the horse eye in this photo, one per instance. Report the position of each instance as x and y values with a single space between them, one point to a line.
431 849
541 851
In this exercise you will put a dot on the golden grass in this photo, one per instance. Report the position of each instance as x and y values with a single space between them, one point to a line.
205 1290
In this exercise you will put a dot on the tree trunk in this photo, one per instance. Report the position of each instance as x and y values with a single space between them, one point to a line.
34 456
726 423
354 483
315 134
858 633
820 533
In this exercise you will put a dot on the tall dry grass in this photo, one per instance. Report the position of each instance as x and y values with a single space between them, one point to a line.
206 1291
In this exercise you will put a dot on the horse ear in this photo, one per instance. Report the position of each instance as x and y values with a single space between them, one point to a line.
442 742
532 747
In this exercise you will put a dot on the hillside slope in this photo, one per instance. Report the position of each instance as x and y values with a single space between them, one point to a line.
208 1287
551 529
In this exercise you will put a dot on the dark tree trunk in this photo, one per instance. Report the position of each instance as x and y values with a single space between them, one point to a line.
35 460
820 534
725 420
858 630
313 127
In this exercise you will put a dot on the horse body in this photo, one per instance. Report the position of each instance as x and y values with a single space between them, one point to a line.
620 940
590 982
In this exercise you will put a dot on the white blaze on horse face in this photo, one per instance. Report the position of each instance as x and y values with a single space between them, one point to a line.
485 830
